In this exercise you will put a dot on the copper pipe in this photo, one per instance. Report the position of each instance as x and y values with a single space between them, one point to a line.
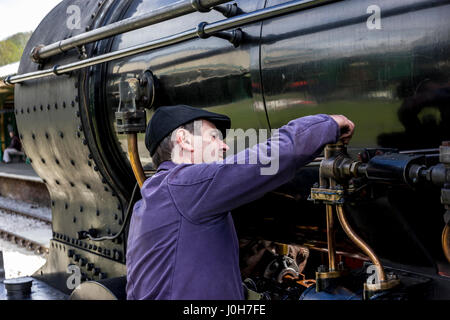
330 238
360 243
134 158
446 241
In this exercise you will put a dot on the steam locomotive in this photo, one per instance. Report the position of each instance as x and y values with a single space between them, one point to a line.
365 221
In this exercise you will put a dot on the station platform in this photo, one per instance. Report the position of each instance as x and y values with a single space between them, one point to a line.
18 181
21 170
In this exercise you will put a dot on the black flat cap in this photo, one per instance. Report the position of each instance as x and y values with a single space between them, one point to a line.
168 118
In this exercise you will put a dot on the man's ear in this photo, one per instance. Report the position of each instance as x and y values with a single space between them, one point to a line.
184 140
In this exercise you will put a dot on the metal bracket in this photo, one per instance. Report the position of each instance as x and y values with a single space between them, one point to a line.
328 196
234 37
229 10
199 7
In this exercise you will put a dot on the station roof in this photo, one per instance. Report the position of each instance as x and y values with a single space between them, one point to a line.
9 69
7 92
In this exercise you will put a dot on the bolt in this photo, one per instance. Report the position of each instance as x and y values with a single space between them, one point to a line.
322 268
70 253
90 266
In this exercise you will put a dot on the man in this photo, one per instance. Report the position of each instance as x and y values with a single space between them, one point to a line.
14 147
182 242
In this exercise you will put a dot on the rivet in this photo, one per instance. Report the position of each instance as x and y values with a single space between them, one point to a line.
74 219
41 107
116 216
84 141
64 104
72 162
57 182
57 161
56 106
21 111
72 184
61 134
46 135
95 168
28 110
81 208
78 134
90 156
97 213
89 163
76 99
119 222
72 103
103 180
48 107
33 136
43 160
53 203
77 113
66 206
88 186
45 181
34 108
106 189
80 127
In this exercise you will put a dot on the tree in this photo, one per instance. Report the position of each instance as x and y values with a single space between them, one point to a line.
11 49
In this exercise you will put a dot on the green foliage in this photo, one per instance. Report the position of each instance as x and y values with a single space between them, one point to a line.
11 49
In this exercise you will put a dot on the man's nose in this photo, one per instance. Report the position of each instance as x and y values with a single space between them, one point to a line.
224 146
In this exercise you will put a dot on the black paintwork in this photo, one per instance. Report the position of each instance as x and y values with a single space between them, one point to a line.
392 82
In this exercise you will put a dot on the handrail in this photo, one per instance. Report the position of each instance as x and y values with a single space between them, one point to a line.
171 11
204 30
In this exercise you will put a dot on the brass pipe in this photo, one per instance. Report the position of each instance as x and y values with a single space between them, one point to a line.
134 158
446 241
330 238
360 243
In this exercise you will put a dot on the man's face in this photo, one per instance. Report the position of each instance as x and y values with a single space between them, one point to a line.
204 146
11 134
212 145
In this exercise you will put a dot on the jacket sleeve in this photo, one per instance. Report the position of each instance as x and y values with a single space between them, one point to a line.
203 192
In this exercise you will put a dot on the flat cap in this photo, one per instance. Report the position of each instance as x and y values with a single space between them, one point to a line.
168 118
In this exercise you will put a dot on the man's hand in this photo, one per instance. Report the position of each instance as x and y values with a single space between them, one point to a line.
346 126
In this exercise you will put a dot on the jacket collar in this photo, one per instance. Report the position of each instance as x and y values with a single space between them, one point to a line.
166 165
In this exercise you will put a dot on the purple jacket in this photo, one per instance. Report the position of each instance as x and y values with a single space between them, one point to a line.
182 243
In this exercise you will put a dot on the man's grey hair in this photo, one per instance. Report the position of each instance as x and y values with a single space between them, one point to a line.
164 150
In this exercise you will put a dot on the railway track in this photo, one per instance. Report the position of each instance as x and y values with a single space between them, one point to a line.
25 229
